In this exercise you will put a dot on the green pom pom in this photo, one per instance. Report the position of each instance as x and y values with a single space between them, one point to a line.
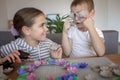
21 78
117 78
23 66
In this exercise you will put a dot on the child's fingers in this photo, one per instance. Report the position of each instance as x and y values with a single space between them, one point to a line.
12 57
59 52
17 52
54 54
66 26
59 55
7 58
16 56
82 20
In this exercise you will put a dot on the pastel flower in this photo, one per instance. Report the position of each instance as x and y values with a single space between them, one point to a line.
29 68
37 63
43 61
72 69
30 76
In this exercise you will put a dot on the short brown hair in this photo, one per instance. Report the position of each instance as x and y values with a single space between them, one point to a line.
25 17
89 3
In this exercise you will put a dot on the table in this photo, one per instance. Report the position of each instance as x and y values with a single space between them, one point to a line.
114 57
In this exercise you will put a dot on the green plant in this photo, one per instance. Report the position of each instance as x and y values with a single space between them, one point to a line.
56 25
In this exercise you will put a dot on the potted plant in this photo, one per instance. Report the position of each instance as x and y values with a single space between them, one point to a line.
56 25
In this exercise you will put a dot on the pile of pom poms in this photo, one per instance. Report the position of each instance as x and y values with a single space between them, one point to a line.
25 72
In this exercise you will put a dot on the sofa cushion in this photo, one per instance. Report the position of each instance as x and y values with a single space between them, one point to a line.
6 37
111 41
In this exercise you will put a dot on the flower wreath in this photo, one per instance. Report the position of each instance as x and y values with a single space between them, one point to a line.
25 72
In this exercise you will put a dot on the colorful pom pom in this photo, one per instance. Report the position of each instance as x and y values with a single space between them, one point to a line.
26 72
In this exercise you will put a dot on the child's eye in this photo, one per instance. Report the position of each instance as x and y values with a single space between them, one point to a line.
43 24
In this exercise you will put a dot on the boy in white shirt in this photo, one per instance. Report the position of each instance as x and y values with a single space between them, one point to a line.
83 39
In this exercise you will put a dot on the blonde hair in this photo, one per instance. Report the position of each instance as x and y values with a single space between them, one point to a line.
89 3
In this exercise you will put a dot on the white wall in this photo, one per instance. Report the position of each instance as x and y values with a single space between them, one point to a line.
101 14
106 16
59 6
114 15
48 7
3 15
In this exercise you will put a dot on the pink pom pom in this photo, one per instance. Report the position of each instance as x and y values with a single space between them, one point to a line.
57 63
30 76
37 63
72 69
61 60
43 61
66 66
50 77
29 68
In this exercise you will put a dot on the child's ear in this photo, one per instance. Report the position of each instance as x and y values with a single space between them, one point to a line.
92 13
26 30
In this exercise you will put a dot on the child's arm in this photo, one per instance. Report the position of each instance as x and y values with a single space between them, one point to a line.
97 42
11 57
66 42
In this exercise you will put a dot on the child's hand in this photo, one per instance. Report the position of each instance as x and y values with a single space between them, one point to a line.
12 56
56 53
66 26
89 23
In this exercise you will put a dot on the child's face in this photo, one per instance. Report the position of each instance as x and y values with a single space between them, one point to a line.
38 30
80 13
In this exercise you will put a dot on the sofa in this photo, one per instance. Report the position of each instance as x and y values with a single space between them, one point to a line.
6 37
110 36
111 41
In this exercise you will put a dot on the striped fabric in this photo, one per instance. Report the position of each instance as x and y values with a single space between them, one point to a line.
41 51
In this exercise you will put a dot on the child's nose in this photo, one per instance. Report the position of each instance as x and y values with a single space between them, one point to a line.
45 28
76 17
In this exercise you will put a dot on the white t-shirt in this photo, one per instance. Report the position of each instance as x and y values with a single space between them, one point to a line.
81 42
